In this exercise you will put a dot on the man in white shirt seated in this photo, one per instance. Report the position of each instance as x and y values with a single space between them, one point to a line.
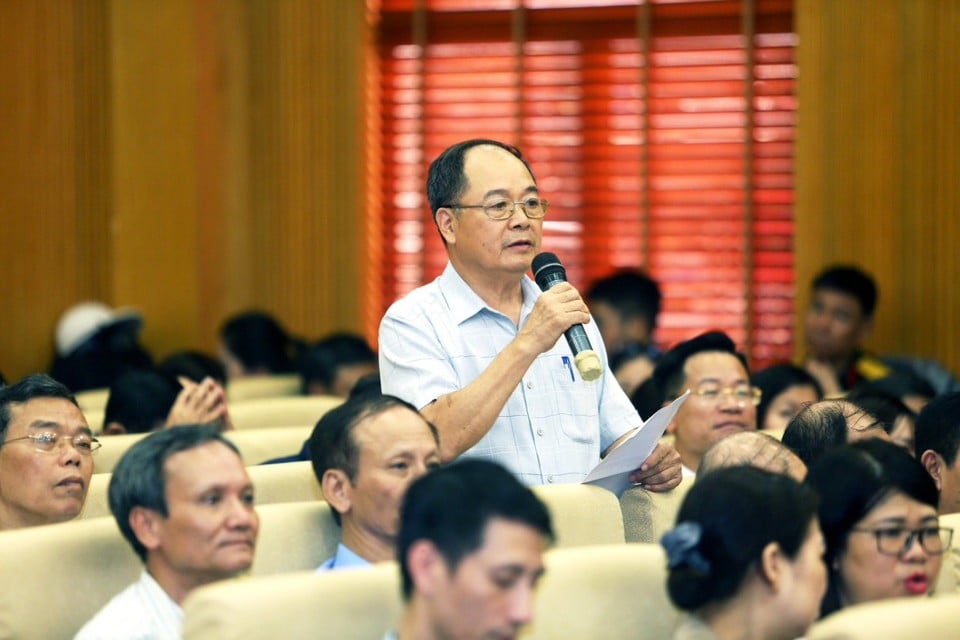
471 553
365 453
184 501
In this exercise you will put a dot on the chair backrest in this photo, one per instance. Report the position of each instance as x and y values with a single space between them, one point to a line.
57 577
582 514
256 445
281 412
295 536
358 604
266 386
92 400
284 482
894 619
949 580
94 419
648 515
608 591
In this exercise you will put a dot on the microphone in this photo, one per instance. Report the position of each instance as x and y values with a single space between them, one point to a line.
547 271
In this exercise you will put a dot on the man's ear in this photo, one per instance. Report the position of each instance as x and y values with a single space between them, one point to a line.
147 527
337 489
427 568
114 429
772 566
934 463
447 224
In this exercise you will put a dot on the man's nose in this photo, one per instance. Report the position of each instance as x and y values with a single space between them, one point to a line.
521 605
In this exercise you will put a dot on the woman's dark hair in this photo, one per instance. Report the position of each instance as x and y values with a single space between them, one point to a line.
774 380
258 341
852 481
724 526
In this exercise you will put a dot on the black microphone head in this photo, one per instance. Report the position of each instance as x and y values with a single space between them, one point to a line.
547 270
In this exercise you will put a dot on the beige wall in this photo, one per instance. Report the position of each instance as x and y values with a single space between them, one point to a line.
878 160
195 157
188 157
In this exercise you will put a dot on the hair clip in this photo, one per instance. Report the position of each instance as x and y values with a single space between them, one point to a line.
681 546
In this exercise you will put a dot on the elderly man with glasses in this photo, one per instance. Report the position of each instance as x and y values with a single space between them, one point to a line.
480 350
46 452
722 400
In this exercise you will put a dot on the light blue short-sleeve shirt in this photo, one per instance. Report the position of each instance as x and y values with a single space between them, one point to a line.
442 336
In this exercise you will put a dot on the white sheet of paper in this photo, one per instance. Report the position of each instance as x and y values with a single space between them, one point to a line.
613 472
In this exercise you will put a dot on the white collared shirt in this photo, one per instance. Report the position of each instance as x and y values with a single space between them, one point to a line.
142 611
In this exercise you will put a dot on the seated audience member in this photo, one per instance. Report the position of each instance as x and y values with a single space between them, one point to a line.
896 418
625 306
95 344
333 365
913 390
785 389
840 317
184 502
937 443
722 402
195 366
254 343
470 552
648 397
143 401
878 514
365 453
46 454
755 449
757 575
827 424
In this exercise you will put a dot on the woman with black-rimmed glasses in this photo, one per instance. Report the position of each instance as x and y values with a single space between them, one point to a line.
878 514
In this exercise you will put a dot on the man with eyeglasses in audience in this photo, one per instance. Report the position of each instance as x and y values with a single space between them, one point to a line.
46 454
480 350
183 500
722 400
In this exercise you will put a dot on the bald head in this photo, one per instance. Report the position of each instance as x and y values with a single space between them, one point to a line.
827 424
755 449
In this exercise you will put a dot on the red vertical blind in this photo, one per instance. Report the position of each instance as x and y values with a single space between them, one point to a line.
661 132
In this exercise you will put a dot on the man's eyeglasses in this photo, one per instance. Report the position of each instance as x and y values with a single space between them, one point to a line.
896 541
50 441
742 394
533 207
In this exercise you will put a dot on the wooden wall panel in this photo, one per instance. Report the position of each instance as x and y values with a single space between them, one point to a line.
877 156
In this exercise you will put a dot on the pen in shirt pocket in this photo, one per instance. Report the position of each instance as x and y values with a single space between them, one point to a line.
566 363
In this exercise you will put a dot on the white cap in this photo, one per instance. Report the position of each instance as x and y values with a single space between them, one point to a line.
82 321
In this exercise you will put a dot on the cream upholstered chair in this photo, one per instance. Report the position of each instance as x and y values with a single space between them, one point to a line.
281 412
648 515
284 482
608 591
295 536
611 592
57 577
360 604
92 400
256 445
265 386
948 582
94 419
895 619
582 514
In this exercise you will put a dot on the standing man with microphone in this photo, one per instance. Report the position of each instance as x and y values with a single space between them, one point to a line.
481 349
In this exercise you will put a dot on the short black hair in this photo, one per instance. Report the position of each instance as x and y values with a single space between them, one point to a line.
452 506
37 385
194 365
259 342
322 361
669 371
139 479
820 427
632 293
446 181
731 519
331 443
853 480
141 400
852 281
938 427
776 379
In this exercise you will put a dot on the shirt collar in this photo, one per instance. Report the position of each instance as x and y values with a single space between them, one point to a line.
464 303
